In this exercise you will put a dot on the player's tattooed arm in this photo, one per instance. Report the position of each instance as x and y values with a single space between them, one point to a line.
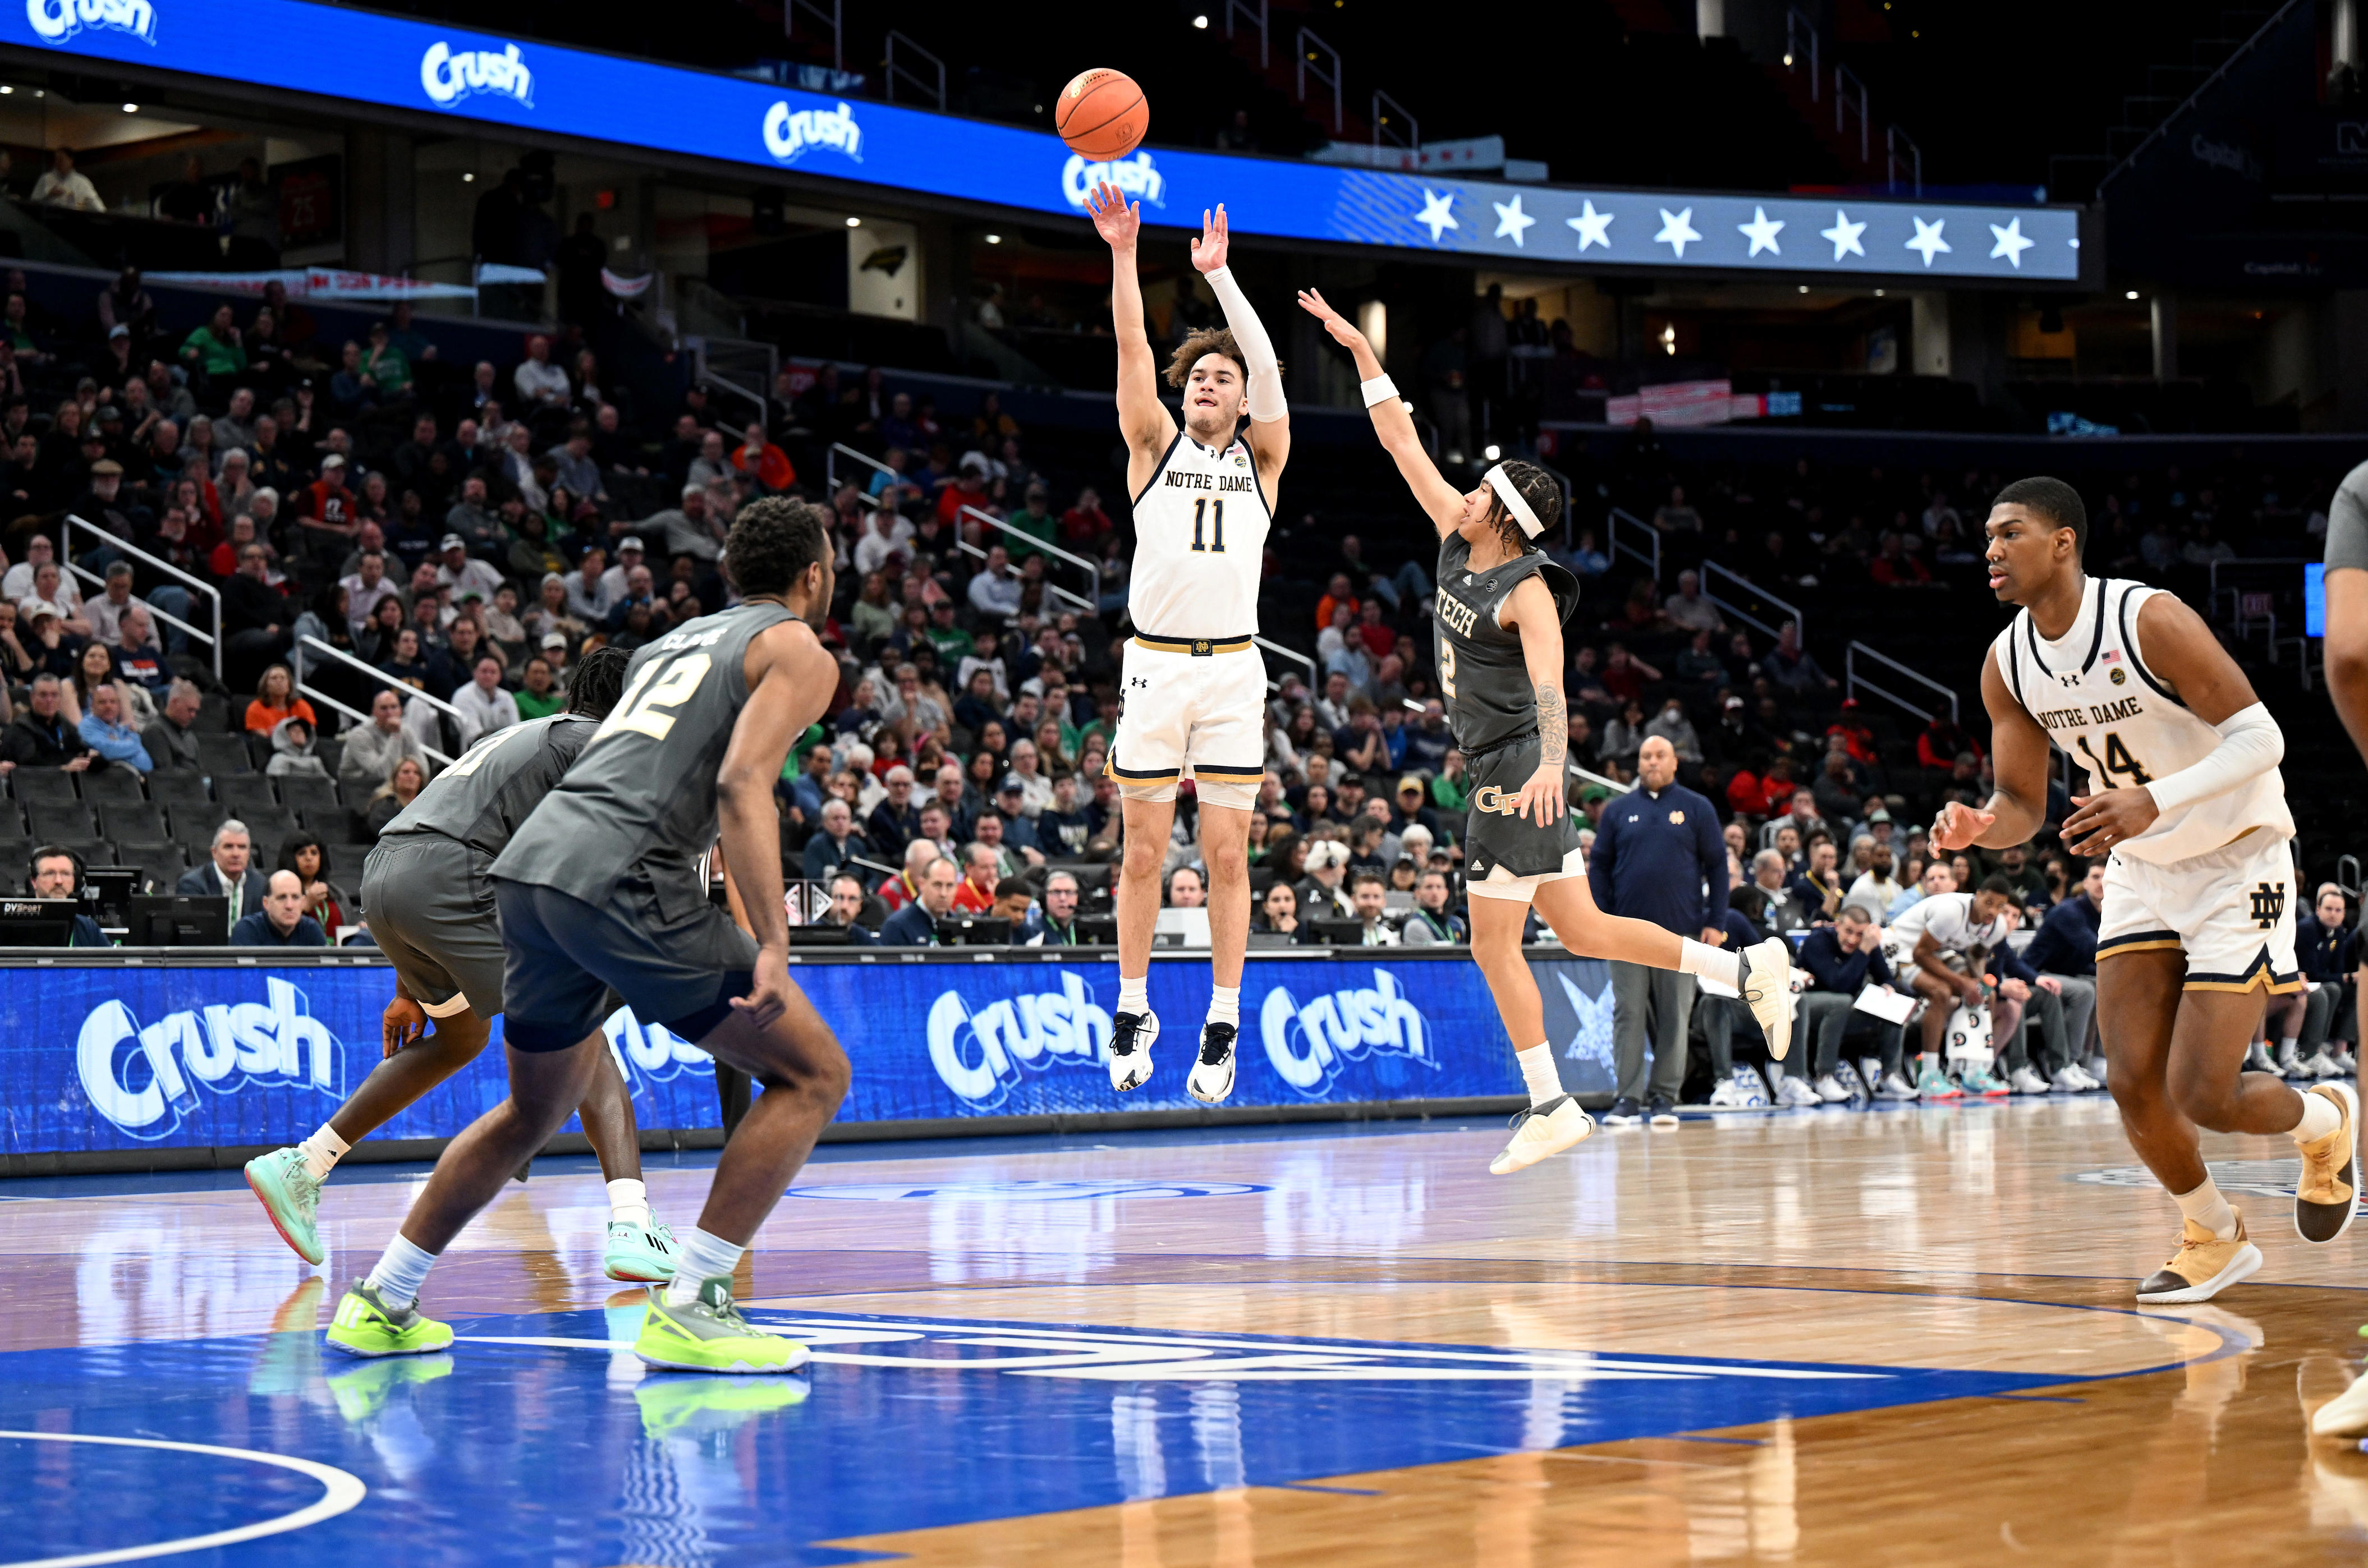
1553 725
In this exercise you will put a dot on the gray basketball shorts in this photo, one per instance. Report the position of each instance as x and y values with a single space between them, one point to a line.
430 905
675 960
1495 838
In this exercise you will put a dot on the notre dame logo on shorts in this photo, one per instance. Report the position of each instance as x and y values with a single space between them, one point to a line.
2269 903
1496 801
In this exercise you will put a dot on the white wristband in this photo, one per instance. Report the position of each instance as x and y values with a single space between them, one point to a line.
1381 389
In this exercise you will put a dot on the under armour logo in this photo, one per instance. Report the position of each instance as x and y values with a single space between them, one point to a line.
2268 903
1138 681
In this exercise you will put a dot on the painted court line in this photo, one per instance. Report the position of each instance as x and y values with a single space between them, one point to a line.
341 1490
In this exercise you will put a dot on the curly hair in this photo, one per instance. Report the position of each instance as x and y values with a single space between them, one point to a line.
772 542
1538 489
597 681
1208 340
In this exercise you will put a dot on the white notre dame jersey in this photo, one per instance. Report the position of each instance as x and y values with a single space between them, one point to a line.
1200 544
2097 701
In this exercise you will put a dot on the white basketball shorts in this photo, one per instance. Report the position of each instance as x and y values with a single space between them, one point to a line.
1204 711
2230 911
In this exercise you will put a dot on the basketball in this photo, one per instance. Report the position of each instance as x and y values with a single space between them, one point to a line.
1102 114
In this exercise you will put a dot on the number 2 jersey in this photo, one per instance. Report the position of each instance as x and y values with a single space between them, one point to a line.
1200 545
2094 696
640 803
1482 671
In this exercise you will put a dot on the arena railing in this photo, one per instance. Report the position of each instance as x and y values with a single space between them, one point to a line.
1293 655
195 585
1616 546
720 363
1852 679
305 645
1712 570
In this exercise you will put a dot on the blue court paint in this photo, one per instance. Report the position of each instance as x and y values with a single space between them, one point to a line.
534 1453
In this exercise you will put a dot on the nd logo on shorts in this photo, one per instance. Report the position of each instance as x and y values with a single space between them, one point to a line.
1500 803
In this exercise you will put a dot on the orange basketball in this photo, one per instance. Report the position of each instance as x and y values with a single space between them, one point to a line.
1101 115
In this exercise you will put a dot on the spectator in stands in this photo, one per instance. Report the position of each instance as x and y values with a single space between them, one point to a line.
834 843
214 351
846 911
40 736
895 821
281 921
292 740
690 528
1322 895
540 383
227 874
485 706
388 801
275 700
1054 922
255 614
1938 878
307 858
1431 922
2064 949
1875 887
538 696
995 589
1672 726
915 925
105 732
1084 526
372 750
1278 916
171 740
61 184
1841 959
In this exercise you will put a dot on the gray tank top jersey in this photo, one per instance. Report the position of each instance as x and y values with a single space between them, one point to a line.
496 784
1481 672
642 798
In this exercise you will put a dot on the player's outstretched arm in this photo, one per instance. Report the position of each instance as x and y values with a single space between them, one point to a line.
2019 757
1392 423
1269 434
1142 418
1531 609
791 679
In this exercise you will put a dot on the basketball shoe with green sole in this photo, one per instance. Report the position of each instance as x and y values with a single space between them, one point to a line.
366 1326
708 1334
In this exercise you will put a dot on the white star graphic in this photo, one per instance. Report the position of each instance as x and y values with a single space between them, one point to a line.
1928 239
2010 242
1594 228
1761 232
1511 220
1676 231
1438 210
1844 234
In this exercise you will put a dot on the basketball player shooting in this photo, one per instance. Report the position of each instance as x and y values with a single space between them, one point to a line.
1501 607
1195 685
2187 806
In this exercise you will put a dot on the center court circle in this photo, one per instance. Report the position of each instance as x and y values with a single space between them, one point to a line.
1021 1191
340 1490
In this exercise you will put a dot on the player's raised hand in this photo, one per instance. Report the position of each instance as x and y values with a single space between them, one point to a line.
1541 797
1209 250
1113 220
1344 331
1958 825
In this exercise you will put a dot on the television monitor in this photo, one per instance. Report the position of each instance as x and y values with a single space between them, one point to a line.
37 921
178 920
817 936
109 891
1339 933
1098 930
974 931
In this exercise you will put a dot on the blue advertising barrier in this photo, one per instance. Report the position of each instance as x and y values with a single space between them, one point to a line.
124 1057
427 67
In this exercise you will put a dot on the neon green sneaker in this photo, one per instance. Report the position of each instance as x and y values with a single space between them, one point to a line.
643 1254
362 1392
366 1326
700 1407
710 1335
292 1196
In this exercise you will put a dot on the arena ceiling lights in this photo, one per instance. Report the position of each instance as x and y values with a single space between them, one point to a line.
399 63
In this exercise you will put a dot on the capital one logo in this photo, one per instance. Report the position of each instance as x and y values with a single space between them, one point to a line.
791 134
1137 177
982 1055
148 1089
447 76
1310 1045
54 21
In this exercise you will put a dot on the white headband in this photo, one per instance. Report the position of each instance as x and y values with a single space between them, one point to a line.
1509 494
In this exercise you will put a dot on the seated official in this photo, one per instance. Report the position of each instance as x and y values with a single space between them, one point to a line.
1279 915
846 912
1432 924
57 873
1054 922
1013 900
916 924
1369 895
227 875
282 921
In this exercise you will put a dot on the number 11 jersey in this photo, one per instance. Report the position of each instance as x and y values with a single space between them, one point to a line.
1200 544
2093 694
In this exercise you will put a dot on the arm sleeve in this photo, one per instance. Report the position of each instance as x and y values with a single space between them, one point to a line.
1267 403
2250 744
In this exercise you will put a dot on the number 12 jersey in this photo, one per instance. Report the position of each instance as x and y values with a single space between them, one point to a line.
2093 694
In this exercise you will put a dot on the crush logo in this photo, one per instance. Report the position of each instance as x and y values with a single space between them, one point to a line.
54 21
649 1052
791 134
447 76
146 1080
982 1055
1137 178
1310 1045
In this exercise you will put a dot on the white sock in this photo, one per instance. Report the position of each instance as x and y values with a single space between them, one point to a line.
399 1273
1225 1004
1134 995
629 1200
323 1151
1538 1071
2291 1045
2208 1209
2320 1118
704 1257
1722 965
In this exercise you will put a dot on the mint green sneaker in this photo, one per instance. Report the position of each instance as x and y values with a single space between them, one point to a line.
292 1196
1932 1084
1980 1083
710 1335
644 1256
366 1326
